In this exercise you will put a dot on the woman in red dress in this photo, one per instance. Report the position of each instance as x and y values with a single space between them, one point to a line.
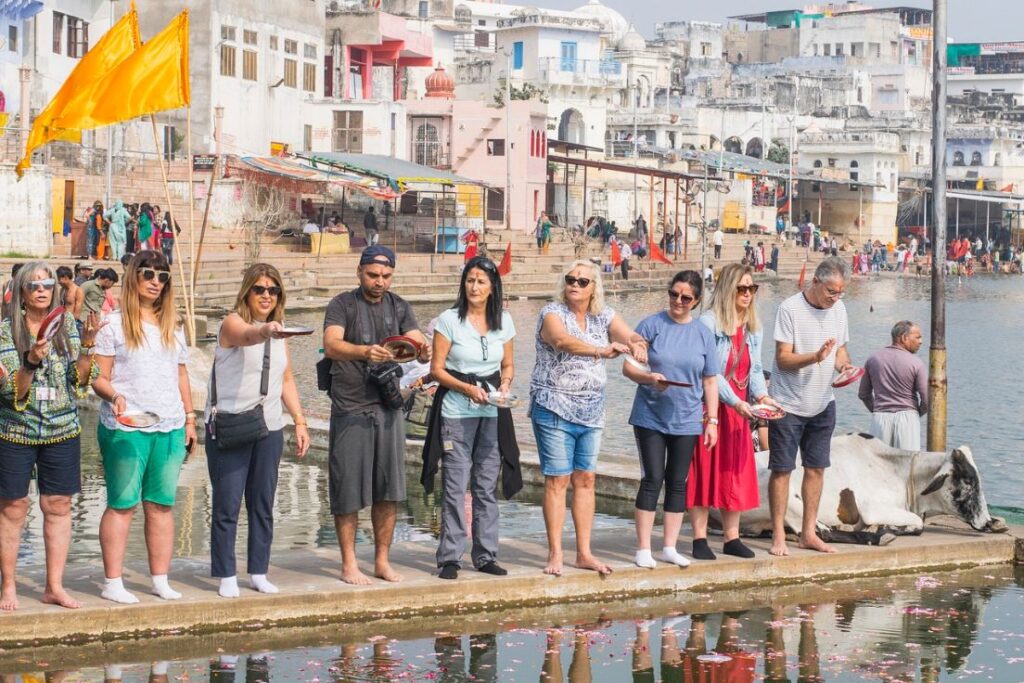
725 476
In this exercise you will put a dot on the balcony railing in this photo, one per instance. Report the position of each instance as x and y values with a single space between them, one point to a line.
596 72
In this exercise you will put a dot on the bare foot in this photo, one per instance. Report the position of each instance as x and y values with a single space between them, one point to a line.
383 570
355 577
60 597
8 600
815 543
592 563
779 547
554 565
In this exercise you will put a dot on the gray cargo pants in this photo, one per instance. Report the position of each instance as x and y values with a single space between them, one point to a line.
471 459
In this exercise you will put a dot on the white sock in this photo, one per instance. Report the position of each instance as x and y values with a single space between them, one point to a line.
643 559
670 554
228 587
113 589
160 668
259 582
112 672
163 589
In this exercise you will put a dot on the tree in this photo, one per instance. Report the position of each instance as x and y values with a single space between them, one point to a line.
779 151
262 208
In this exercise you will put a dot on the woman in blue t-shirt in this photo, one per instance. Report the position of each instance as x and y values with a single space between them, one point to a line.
668 419
472 359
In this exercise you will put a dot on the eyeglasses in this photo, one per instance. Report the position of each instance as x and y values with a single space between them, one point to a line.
684 298
162 276
40 285
747 289
835 294
260 290
583 282
483 347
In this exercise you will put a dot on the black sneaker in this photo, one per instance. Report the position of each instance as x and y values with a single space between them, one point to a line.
449 571
493 568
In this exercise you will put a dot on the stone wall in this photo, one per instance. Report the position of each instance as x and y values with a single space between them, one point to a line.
25 220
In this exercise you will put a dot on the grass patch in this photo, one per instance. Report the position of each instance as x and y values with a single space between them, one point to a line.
16 254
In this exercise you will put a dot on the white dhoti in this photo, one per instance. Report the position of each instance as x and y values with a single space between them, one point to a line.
899 430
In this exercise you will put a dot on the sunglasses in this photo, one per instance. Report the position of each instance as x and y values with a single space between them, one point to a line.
684 298
162 276
483 264
260 290
747 289
483 348
40 285
583 282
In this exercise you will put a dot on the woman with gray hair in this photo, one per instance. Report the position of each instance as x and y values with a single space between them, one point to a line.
575 333
46 367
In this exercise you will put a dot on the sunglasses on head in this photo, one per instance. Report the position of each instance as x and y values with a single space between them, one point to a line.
684 298
39 285
260 290
747 289
583 282
483 264
162 276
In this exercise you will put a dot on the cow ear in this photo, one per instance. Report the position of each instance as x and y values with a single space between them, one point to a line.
936 484
962 466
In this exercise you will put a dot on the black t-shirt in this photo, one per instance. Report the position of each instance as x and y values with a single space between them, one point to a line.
350 391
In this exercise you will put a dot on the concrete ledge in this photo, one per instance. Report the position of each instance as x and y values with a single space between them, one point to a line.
312 594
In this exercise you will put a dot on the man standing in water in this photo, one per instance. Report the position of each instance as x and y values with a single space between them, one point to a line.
895 389
366 462
811 333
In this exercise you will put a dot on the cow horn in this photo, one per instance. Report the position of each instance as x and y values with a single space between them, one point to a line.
936 484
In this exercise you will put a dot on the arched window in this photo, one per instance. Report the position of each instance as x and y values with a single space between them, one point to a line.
976 159
998 159
427 145
958 158
854 174
816 187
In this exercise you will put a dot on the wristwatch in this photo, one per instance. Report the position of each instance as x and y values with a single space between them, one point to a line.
713 421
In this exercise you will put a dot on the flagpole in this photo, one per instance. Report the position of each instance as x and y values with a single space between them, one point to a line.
191 218
217 117
189 320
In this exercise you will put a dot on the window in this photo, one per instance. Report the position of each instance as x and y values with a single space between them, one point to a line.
568 56
250 37
309 51
291 73
705 50
496 147
426 147
12 38
291 47
348 131
958 158
839 49
227 60
998 160
495 204
273 43
58 32
860 95
827 49
976 159
78 37
854 175
307 137
250 63
815 49
424 8
481 39
309 77
816 187
517 55
228 33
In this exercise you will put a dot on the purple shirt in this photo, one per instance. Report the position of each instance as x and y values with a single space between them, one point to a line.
894 380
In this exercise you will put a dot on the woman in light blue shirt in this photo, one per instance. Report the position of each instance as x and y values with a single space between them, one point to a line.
472 358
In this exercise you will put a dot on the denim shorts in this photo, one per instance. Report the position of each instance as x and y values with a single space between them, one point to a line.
58 468
564 447
811 435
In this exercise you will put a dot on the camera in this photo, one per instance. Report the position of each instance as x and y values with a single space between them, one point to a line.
385 377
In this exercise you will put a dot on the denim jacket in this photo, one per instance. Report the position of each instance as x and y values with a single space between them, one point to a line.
723 343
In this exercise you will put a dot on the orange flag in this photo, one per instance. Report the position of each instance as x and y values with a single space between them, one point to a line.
803 274
616 254
113 48
658 255
505 267
153 78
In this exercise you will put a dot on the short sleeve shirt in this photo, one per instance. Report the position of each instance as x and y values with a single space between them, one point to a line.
350 392
568 385
92 298
147 377
472 353
807 391
682 352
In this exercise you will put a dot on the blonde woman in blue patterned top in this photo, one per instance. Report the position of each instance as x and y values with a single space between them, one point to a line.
39 426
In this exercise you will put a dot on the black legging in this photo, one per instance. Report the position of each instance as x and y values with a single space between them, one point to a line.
664 459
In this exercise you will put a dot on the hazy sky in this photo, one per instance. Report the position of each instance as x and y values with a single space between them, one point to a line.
970 21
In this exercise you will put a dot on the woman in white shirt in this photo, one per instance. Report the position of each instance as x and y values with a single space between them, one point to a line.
251 329
142 355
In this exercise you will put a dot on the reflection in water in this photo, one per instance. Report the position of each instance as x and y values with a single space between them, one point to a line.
929 633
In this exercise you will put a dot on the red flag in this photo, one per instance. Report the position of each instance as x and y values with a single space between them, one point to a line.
505 267
616 254
658 255
803 275
783 209
1008 188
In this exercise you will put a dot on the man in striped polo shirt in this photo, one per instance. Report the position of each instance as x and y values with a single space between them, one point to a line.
811 333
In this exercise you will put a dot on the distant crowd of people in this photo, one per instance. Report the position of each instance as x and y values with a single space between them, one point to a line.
126 229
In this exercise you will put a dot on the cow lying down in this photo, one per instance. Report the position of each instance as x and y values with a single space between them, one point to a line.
873 493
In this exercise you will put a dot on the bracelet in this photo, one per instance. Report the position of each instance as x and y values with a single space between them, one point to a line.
505 379
88 346
299 424
29 365
713 421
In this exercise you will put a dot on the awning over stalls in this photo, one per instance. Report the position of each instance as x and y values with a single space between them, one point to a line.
298 176
397 173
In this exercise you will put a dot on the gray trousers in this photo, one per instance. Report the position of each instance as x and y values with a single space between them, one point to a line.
471 459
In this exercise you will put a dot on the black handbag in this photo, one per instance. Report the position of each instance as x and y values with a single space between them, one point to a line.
235 430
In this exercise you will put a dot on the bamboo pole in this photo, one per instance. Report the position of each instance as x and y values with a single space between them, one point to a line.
206 218
191 219
190 323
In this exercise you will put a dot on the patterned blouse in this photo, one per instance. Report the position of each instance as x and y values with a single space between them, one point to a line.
50 412
568 385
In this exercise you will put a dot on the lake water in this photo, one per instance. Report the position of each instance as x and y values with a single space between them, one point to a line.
945 627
